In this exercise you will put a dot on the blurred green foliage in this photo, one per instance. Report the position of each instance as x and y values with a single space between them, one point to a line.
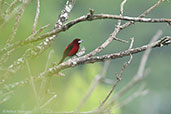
73 87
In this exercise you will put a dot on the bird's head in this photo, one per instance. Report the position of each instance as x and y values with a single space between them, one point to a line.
77 41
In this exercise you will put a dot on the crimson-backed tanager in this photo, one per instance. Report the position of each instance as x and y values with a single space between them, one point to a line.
71 49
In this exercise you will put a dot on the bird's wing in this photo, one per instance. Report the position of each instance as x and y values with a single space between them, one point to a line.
68 49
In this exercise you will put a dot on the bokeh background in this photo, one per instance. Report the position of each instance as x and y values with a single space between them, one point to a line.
73 87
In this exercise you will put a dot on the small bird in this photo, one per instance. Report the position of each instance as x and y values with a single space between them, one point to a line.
71 49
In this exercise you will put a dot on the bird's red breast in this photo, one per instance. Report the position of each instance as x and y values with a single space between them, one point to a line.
74 50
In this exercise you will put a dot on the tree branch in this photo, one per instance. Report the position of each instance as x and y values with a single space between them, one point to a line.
85 60
36 16
87 18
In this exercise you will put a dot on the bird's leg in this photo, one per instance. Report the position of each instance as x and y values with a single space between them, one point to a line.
76 55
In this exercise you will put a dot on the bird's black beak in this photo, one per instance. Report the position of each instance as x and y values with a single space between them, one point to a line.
80 41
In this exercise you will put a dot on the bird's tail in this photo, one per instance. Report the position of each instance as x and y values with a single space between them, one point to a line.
62 60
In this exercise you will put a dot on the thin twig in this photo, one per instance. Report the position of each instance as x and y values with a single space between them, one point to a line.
46 103
33 85
5 97
33 35
36 17
121 40
5 57
11 7
44 80
119 23
18 18
121 7
131 44
142 15
146 55
151 8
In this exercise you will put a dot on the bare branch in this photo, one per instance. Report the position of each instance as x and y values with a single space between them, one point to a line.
63 17
32 36
81 52
32 84
146 55
18 18
5 57
84 60
51 99
138 77
151 8
121 40
121 7
11 7
126 18
45 79
5 96
36 17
